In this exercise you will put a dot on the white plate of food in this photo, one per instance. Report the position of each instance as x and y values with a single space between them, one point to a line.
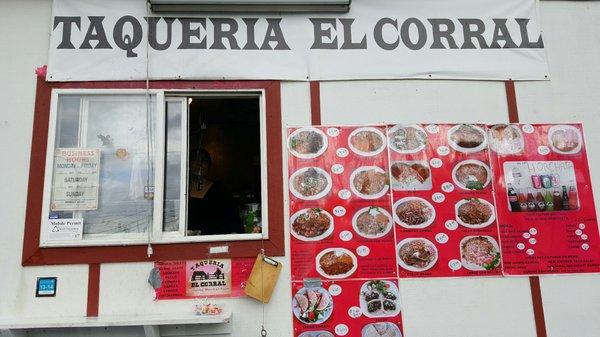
381 329
312 305
474 213
416 254
379 298
411 175
506 139
369 182
407 138
565 139
307 143
413 212
336 263
467 138
311 224
367 141
310 183
317 333
372 222
479 253
471 174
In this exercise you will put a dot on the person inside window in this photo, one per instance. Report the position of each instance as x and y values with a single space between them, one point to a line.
211 207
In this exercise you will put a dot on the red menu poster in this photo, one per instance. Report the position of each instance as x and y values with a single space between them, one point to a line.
544 200
342 244
443 204
203 278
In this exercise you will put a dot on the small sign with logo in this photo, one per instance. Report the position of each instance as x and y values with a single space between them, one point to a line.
46 287
208 277
203 278
65 229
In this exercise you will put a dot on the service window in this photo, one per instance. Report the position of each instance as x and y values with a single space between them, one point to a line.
134 167
214 176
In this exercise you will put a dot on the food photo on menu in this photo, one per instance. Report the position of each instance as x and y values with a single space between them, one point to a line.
379 298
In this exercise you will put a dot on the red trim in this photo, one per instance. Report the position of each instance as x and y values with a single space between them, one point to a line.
511 101
93 296
534 281
34 255
315 103
538 306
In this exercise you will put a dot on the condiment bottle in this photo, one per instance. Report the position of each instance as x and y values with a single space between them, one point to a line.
540 202
522 201
557 200
531 205
513 200
573 202
565 199
549 201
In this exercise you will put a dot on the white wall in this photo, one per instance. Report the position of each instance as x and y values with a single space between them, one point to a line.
571 33
458 307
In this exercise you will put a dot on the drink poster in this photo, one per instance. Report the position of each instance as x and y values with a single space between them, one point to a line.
344 270
544 199
443 202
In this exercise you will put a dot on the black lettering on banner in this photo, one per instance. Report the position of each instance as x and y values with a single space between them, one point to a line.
348 44
405 34
470 34
378 34
439 34
525 42
220 33
274 34
95 32
128 42
187 32
320 33
501 33
67 22
152 27
250 34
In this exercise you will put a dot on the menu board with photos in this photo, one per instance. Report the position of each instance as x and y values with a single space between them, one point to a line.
344 278
544 199
443 203
372 204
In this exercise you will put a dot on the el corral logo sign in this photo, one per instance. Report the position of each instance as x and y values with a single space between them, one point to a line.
208 277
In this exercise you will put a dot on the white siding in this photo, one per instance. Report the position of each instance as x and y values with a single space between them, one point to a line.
450 307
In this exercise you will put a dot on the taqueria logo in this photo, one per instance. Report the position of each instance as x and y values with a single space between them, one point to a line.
208 277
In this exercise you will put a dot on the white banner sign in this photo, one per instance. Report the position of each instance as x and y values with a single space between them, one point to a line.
76 179
377 39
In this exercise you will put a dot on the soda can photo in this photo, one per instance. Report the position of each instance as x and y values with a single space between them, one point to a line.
555 180
536 181
546 181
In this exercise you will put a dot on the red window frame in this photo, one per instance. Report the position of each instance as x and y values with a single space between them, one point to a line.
34 255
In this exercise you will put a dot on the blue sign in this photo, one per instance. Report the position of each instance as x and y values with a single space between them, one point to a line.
46 287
